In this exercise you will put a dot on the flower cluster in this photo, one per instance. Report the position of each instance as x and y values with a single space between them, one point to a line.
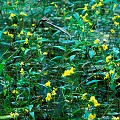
14 115
68 72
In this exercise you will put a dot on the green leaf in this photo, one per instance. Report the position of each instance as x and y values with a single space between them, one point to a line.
1 68
72 57
93 81
60 47
33 115
57 57
76 111
77 17
30 107
91 53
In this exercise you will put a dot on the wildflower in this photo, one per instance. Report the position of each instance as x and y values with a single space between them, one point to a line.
101 0
112 31
116 23
90 23
83 30
19 35
105 47
99 4
14 25
91 116
97 12
46 72
15 92
106 76
70 18
86 7
12 15
56 5
29 34
48 98
47 84
8 3
68 72
52 3
11 35
115 6
118 64
84 96
45 53
91 30
108 58
22 63
33 25
26 41
115 118
22 71
5 32
114 18
93 7
24 14
97 41
14 114
111 72
54 92
92 99
22 32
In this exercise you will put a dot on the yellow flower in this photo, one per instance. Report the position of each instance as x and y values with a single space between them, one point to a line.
99 4
49 97
114 18
84 96
24 14
93 7
12 15
92 99
118 64
91 117
26 41
112 31
108 58
106 76
52 3
69 18
91 30
29 34
5 32
116 23
68 72
111 72
33 25
45 73
97 41
47 84
90 23
14 25
19 35
101 0
115 118
54 92
15 92
16 114
22 63
22 71
105 47
45 53
97 12
22 32
11 35
12 114
115 6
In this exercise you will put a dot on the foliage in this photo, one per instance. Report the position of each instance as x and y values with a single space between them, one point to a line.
59 59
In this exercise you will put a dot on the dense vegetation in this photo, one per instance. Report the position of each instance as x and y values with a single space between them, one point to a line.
59 60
